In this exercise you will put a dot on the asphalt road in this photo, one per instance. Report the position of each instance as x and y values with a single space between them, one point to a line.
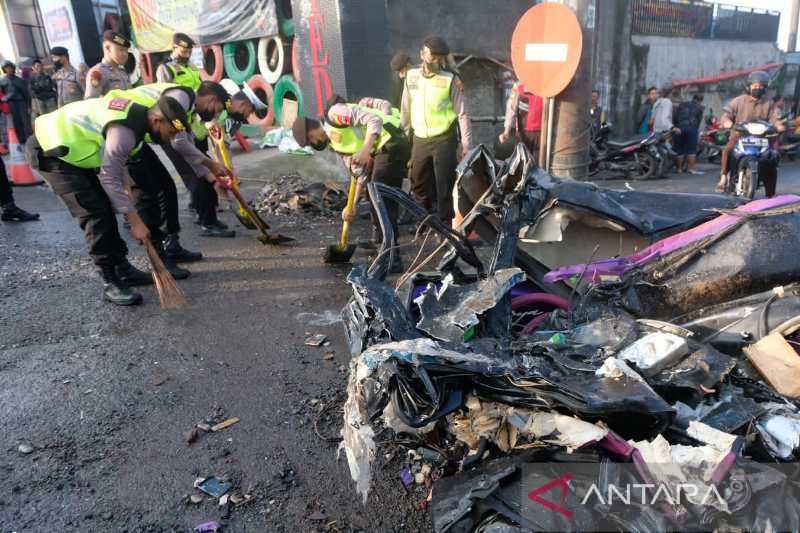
105 395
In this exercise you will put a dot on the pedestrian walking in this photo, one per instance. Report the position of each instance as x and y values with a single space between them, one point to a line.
523 116
18 98
43 91
646 112
69 87
372 145
688 117
433 110
82 150
110 73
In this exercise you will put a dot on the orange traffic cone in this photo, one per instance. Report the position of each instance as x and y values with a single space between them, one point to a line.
21 173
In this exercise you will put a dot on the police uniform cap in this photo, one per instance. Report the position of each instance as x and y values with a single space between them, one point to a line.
436 45
181 39
300 131
59 51
112 36
173 112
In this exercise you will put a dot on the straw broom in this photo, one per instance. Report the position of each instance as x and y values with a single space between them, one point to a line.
170 295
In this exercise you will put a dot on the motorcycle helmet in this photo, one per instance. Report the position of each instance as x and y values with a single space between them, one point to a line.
758 76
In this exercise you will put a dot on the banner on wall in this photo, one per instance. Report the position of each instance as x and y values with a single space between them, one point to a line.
60 28
206 21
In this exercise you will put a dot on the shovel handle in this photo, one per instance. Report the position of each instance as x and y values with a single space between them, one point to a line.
351 200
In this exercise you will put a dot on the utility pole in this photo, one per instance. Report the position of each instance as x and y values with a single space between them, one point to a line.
571 123
793 21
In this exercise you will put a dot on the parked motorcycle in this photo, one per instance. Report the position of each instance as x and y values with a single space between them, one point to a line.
712 142
752 148
637 157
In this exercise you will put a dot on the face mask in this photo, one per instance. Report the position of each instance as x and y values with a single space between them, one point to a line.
319 145
155 136
758 93
206 115
433 67
237 117
57 64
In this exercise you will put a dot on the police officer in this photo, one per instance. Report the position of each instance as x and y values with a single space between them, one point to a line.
18 98
177 69
69 87
71 144
110 72
433 100
9 212
371 144
209 101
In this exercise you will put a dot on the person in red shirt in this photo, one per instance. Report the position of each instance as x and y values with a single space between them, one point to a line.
523 114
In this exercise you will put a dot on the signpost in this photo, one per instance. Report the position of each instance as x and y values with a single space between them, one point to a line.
546 51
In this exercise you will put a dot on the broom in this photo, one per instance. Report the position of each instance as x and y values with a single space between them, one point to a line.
170 295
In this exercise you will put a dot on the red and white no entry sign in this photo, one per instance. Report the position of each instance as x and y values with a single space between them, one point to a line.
546 48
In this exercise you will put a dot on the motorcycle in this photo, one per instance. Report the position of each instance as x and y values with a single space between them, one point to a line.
712 143
752 147
637 157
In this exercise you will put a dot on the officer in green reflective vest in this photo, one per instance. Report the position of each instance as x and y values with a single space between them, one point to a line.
81 150
177 68
192 163
432 103
368 138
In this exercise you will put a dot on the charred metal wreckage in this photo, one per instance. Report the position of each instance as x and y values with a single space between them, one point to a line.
649 335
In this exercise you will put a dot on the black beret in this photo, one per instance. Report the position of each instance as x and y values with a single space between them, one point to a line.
174 113
181 39
59 51
400 61
436 45
112 36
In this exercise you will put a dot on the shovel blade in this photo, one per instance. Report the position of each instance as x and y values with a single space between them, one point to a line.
334 254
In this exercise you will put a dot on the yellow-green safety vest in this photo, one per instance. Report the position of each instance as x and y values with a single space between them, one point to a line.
432 112
186 75
148 95
349 140
80 127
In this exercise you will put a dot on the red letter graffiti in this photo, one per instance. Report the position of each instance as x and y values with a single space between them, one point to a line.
319 58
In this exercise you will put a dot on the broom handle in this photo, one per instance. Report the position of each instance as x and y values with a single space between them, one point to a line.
351 200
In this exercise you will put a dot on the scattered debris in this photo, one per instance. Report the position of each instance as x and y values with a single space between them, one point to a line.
317 516
225 424
213 486
292 194
196 498
208 527
316 340
328 356
25 448
191 436
673 362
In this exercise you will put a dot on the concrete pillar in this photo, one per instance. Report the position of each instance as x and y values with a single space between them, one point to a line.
571 132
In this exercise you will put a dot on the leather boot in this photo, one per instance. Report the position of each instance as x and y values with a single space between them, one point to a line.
117 291
132 276
179 254
12 213
177 272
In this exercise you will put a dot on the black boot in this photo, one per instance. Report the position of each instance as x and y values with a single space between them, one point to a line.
216 231
179 254
12 213
117 291
177 272
132 276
